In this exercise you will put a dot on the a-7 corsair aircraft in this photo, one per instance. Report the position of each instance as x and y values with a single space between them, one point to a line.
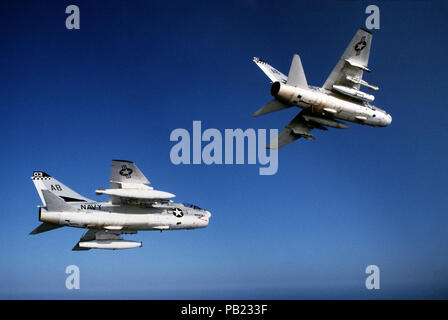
132 206
339 98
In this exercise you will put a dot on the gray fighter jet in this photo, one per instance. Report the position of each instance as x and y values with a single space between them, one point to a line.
133 205
339 98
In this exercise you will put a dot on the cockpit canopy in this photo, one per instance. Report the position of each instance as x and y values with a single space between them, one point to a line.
189 205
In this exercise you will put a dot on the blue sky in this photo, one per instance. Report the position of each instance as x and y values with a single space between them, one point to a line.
115 89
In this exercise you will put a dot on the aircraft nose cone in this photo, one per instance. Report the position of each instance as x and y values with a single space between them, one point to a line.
389 119
203 220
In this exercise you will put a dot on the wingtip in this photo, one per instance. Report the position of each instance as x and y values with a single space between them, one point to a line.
123 161
363 29
257 113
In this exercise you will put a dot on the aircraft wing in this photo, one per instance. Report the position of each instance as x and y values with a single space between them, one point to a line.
349 70
129 185
296 129
301 126
123 171
270 71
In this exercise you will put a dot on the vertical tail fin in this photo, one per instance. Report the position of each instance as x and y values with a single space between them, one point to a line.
272 106
296 76
43 181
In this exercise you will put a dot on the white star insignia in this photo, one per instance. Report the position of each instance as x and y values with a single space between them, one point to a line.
177 212
360 46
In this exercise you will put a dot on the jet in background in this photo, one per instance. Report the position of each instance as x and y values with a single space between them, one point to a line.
339 98
133 205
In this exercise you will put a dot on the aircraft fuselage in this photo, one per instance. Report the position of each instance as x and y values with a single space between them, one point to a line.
106 216
323 102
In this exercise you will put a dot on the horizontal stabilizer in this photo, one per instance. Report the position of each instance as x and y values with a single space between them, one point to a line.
44 227
270 71
55 203
272 106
